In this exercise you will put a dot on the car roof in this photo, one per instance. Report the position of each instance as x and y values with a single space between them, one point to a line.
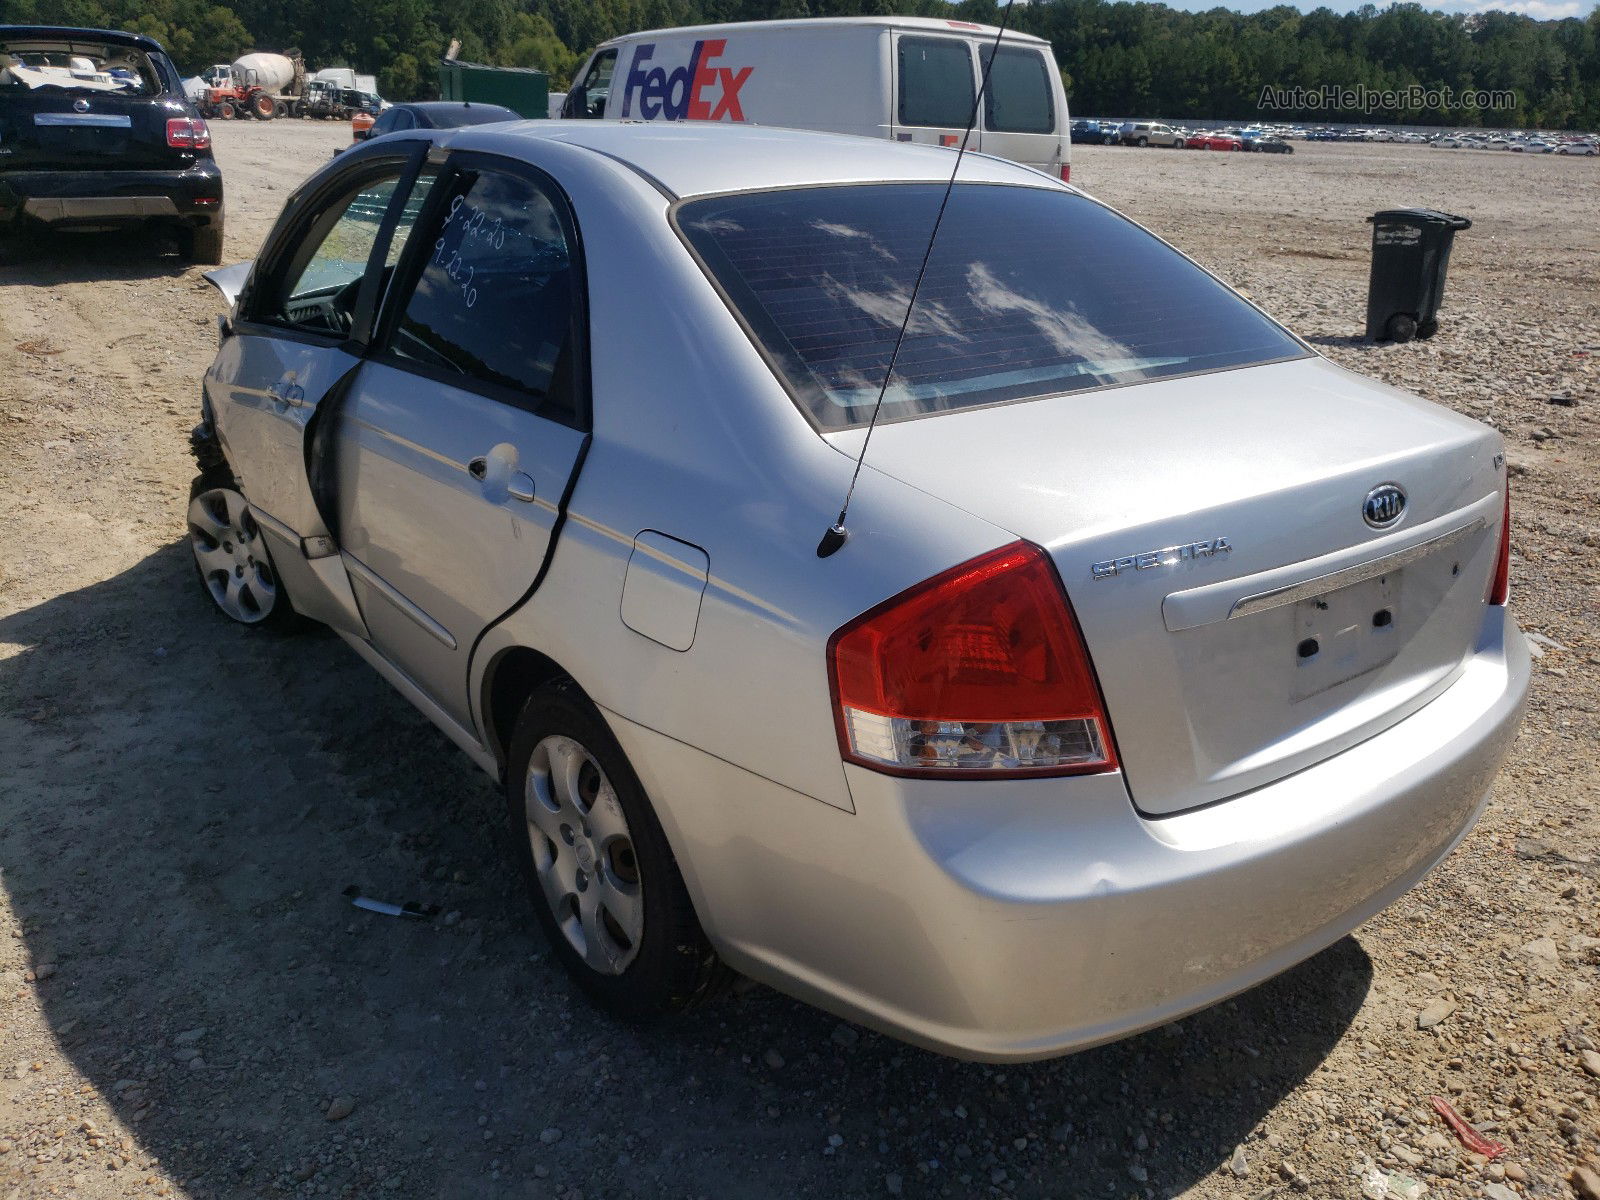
921 24
696 158
67 33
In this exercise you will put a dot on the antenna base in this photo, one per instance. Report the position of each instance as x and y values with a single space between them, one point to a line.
836 536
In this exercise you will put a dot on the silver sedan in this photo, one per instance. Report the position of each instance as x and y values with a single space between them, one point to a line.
1160 653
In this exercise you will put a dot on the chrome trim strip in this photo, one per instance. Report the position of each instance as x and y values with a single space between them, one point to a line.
388 591
94 120
272 525
1360 573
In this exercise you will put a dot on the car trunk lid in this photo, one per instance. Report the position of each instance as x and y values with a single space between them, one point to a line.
1244 618
57 129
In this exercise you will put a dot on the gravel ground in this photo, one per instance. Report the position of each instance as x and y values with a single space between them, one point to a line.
189 1007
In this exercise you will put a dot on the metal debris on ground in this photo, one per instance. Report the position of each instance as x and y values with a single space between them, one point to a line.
409 909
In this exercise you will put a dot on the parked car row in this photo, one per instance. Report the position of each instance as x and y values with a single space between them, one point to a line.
1158 133
1275 139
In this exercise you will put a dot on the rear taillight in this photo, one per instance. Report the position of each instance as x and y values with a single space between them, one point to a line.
979 672
188 133
1066 172
1500 588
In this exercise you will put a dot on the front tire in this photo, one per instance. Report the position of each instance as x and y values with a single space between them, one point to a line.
231 557
600 875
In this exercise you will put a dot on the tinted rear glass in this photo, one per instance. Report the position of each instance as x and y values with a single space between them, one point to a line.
936 83
1030 292
81 66
1017 99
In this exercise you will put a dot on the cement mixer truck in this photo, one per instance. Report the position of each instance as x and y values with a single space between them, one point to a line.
257 85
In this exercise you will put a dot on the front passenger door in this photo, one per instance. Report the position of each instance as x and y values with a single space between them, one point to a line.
456 447
295 344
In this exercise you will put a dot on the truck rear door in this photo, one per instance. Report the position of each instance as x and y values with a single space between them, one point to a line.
1024 108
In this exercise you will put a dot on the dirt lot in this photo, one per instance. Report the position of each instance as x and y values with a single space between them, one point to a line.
184 991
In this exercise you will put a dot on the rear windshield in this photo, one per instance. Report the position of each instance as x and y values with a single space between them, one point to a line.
1030 292
76 66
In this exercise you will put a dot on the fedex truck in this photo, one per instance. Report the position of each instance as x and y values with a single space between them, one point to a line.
907 79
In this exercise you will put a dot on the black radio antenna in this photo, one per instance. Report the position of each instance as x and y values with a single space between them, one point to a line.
837 533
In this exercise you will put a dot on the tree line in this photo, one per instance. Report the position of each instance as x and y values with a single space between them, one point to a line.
1116 58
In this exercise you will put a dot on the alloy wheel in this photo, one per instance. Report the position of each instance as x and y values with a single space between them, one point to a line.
583 854
232 558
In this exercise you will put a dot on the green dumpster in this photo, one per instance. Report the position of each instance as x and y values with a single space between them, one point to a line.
522 89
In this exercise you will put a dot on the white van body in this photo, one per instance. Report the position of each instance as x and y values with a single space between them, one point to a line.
907 79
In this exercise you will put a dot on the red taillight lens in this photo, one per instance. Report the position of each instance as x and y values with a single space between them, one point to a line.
1066 172
980 671
1500 588
188 133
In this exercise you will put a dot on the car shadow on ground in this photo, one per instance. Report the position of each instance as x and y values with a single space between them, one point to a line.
183 805
39 257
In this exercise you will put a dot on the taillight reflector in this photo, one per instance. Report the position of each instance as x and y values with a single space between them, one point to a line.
1500 587
980 671
188 133
1066 172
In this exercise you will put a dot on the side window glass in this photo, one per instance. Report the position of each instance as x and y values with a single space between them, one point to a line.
1018 98
323 277
408 216
936 84
494 302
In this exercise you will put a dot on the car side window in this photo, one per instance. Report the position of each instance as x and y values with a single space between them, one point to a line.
589 97
320 282
495 302
936 83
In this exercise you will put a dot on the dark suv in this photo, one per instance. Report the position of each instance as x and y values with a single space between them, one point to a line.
96 133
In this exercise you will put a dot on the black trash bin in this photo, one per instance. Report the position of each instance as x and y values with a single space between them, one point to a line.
1410 255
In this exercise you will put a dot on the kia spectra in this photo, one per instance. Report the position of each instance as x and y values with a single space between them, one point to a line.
1161 652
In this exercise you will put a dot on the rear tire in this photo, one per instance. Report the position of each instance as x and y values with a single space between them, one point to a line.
1401 328
203 245
600 875
263 107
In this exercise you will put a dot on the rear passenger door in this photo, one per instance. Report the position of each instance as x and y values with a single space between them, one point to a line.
1021 110
935 84
455 451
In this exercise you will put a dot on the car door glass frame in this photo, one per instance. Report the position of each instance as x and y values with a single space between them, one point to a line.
418 251
302 213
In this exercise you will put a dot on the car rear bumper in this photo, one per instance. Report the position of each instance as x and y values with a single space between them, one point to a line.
1031 918
99 198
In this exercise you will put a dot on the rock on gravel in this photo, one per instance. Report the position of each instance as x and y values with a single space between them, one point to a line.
1585 1182
1436 1012
1591 1063
341 1108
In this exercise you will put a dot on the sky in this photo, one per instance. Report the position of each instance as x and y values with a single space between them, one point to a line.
1544 10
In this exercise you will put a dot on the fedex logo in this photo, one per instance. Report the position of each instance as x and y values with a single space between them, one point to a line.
697 92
